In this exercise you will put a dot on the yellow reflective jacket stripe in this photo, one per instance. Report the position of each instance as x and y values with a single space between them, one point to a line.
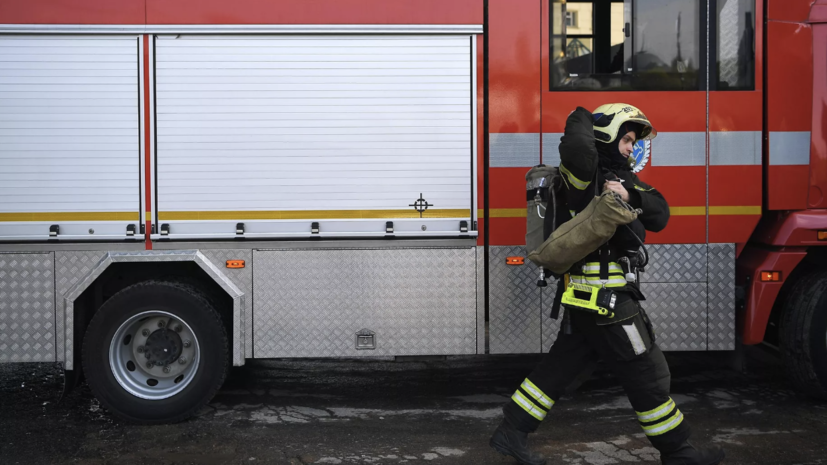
613 281
594 267
577 183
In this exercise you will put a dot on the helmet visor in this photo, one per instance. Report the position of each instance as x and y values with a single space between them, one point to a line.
648 132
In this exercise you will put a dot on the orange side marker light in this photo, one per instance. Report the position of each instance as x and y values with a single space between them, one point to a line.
235 264
822 235
514 261
771 276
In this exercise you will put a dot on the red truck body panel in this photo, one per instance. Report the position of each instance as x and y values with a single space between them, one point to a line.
242 12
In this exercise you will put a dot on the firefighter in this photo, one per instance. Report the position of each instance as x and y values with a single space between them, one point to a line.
595 155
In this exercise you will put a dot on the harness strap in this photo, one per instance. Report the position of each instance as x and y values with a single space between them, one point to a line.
558 299
604 252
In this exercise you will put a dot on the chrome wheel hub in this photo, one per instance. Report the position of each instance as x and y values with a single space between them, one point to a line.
154 355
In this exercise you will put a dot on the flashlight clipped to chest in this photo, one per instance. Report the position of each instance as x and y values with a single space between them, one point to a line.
597 300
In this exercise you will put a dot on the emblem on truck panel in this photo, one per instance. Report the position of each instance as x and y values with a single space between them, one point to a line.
642 151
420 205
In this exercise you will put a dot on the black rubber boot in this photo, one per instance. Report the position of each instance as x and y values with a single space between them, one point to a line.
687 454
507 440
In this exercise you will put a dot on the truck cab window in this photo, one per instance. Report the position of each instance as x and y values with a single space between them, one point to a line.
626 45
734 45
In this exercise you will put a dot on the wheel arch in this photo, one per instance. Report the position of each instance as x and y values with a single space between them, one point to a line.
802 270
83 299
795 264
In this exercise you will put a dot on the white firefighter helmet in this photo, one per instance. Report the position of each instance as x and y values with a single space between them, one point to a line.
609 117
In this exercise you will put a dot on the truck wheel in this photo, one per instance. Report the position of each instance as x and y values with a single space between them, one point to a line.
804 335
155 352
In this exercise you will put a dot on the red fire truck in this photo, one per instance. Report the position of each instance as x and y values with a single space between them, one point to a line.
186 185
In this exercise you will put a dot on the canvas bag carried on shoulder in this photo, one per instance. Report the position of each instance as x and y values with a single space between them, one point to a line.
573 240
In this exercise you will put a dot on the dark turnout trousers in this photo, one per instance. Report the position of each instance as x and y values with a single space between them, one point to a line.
629 350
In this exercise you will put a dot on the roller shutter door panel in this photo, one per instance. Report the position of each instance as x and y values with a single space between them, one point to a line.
344 130
69 136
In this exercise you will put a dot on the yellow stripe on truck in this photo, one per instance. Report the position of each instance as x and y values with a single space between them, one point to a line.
674 211
751 210
312 214
506 212
716 210
328 214
687 211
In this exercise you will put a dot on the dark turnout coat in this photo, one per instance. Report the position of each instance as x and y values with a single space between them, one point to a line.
584 172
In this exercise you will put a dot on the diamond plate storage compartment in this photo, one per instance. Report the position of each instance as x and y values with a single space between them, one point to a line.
721 296
515 315
312 303
676 290
676 263
679 314
689 291
27 307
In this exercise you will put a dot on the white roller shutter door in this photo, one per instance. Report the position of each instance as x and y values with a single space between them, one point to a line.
69 136
282 131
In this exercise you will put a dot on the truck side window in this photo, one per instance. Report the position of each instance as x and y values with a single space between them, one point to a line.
627 45
734 45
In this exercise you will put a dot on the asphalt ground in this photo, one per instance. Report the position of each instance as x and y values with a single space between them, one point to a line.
416 411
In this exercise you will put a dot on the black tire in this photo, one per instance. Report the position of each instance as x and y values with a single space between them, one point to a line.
804 335
187 304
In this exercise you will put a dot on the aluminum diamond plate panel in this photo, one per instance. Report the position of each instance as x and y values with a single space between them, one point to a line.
675 263
243 279
721 297
514 308
550 327
27 307
678 312
311 303
480 300
70 269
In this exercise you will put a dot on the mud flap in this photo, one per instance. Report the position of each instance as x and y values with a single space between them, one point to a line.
71 380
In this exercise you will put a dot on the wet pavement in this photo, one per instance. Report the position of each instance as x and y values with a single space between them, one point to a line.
414 411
